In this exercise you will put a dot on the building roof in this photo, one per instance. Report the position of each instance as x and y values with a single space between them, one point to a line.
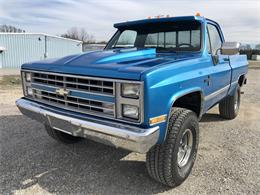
42 34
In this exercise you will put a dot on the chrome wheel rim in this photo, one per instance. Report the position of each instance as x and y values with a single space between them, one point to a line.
185 148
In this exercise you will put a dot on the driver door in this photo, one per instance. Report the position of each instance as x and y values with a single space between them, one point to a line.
219 79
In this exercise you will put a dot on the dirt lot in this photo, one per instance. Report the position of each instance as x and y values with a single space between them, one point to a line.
228 160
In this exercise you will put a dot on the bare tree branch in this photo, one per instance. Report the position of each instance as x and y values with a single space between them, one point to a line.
79 34
9 28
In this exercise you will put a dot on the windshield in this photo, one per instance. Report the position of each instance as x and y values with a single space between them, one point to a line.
164 36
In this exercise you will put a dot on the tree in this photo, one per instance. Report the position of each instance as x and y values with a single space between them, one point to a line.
257 47
9 28
245 47
79 34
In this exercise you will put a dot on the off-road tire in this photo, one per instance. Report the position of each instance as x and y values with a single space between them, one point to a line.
161 160
229 107
62 137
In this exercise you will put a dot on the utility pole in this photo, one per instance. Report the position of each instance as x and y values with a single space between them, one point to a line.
45 47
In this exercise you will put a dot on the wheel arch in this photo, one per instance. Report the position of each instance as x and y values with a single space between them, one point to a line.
241 80
181 96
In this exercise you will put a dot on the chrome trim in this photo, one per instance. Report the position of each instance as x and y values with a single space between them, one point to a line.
124 136
230 48
71 83
83 77
65 82
76 90
120 100
66 105
67 101
215 93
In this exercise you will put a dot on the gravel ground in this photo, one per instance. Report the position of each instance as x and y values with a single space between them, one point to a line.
228 160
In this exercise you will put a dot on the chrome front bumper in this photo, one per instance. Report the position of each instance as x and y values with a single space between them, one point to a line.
122 136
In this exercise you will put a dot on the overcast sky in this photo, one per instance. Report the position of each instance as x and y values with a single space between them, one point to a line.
240 20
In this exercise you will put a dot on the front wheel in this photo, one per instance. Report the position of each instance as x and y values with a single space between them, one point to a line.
171 162
229 107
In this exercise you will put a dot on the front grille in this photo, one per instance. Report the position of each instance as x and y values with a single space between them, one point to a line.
77 83
96 87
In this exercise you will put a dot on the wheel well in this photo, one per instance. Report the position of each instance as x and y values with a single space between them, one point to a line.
241 80
191 101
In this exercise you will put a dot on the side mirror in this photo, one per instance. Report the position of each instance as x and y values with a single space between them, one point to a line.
230 48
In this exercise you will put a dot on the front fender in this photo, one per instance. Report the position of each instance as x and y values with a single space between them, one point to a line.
178 95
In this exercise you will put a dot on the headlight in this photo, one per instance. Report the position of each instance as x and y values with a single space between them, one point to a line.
130 111
29 91
130 90
28 77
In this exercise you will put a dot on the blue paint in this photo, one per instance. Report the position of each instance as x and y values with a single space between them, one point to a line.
44 88
92 96
128 54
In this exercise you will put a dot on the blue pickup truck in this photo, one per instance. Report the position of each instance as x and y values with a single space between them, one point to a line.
145 92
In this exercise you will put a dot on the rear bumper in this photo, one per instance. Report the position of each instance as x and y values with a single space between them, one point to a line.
122 136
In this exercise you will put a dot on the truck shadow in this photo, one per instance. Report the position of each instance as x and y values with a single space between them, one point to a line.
30 159
210 117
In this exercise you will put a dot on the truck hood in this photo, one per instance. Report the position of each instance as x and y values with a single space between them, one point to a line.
118 63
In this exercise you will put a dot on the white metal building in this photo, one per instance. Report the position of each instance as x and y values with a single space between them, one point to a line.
19 48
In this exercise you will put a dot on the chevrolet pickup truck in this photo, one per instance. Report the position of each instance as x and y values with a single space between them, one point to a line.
145 92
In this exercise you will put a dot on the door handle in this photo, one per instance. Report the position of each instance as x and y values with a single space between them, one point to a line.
208 80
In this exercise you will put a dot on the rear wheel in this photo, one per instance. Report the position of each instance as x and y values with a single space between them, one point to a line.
171 162
229 107
62 137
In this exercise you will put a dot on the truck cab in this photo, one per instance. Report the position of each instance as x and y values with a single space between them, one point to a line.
145 92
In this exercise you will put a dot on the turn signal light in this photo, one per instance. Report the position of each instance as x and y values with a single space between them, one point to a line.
157 119
197 14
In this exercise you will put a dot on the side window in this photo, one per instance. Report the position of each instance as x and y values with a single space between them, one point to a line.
170 39
195 38
151 40
215 39
127 39
184 38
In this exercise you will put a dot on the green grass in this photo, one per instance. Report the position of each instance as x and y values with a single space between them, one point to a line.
10 80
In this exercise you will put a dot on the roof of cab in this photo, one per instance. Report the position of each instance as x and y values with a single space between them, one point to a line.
157 20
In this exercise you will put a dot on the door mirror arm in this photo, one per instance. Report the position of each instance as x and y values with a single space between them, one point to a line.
215 59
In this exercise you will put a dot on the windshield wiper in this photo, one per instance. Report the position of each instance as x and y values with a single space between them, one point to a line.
122 47
166 50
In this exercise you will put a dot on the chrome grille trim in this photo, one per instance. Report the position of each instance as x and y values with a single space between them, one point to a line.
66 101
102 87
79 107
74 83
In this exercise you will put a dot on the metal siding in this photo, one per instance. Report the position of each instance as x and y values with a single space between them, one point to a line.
1 60
22 48
61 47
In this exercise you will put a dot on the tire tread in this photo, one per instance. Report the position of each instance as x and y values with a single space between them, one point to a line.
158 159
